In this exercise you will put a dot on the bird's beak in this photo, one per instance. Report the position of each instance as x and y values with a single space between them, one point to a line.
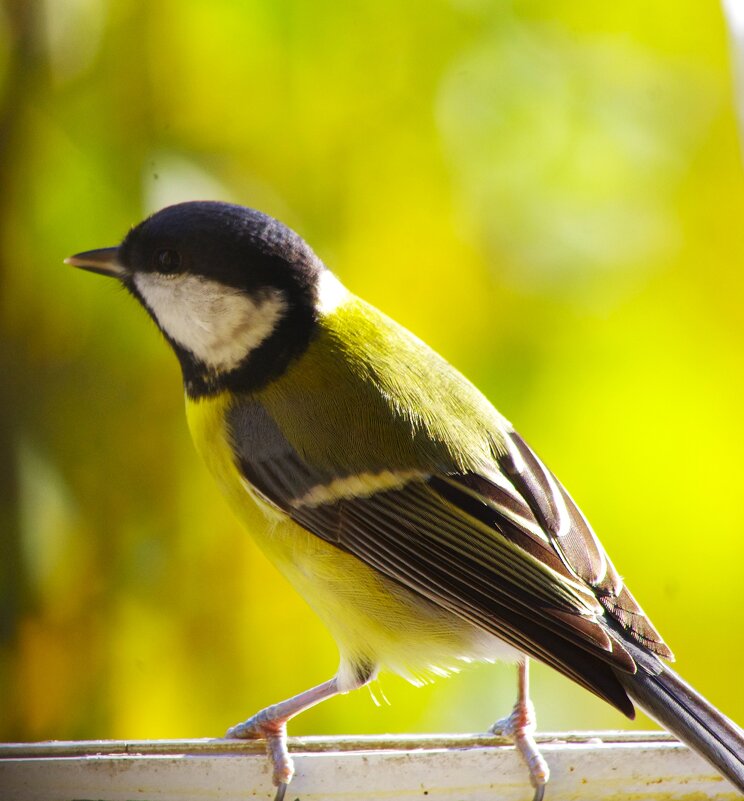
104 261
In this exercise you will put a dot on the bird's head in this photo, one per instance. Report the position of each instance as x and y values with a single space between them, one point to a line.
236 293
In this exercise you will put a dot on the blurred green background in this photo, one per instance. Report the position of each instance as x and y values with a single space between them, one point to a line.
550 193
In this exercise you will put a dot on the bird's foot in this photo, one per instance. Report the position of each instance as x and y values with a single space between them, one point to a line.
270 724
519 727
262 726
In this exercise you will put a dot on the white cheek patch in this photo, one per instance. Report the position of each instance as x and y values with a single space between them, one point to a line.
218 324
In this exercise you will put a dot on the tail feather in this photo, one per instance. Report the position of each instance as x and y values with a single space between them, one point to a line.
685 713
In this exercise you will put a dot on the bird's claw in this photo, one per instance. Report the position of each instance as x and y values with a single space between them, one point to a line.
539 793
519 727
260 727
521 721
242 731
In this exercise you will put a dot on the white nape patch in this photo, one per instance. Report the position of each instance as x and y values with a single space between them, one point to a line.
331 293
220 325
359 486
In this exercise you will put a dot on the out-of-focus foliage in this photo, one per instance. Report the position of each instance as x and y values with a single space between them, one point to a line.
548 192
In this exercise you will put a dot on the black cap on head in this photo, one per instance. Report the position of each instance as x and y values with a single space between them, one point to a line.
234 245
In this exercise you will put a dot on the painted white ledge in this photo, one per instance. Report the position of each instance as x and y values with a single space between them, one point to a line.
594 766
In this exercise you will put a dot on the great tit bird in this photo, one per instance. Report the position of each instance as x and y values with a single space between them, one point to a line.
407 511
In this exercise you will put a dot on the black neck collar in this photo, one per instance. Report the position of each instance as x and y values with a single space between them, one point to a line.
289 340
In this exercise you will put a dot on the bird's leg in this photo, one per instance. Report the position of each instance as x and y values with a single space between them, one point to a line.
270 724
520 726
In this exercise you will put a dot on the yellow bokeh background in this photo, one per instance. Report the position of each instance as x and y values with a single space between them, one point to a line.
550 193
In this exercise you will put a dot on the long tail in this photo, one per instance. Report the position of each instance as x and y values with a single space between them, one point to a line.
685 713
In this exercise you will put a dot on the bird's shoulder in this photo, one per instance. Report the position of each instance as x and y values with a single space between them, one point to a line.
369 395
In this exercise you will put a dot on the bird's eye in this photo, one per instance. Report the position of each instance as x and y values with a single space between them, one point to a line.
166 261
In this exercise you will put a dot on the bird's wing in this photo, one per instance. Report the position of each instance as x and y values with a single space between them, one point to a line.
507 551
571 537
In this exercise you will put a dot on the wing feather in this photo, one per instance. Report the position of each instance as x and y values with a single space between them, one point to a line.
505 548
575 542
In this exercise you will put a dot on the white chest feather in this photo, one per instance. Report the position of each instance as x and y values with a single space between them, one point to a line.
219 325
